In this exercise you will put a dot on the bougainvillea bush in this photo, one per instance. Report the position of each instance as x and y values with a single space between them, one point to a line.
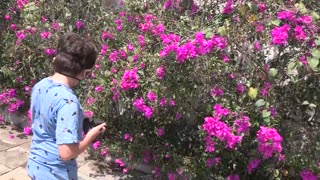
194 90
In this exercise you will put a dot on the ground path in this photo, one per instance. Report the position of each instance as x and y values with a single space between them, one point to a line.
14 154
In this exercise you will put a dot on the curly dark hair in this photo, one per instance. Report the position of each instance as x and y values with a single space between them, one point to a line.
74 54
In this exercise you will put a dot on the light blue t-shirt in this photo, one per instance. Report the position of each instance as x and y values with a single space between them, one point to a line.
57 118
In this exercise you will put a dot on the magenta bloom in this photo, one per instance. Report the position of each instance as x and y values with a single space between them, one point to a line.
119 162
106 35
79 24
307 174
55 26
104 49
139 104
130 47
161 72
233 177
216 91
262 7
99 88
96 145
130 79
45 35
88 114
7 17
228 8
299 34
147 111
242 125
27 130
44 19
20 35
114 57
151 96
167 4
21 4
304 19
253 164
160 132
256 45
141 41
241 88
269 141
280 34
286 15
50 52
11 136
213 161
13 27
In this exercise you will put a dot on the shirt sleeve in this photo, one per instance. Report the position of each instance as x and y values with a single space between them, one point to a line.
69 124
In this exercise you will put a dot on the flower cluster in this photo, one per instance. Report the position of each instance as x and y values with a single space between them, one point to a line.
214 127
300 23
130 79
269 141
9 98
140 106
307 174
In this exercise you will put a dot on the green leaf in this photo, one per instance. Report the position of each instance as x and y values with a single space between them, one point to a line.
273 72
317 42
275 22
266 114
315 16
209 34
222 31
315 53
301 8
313 63
260 103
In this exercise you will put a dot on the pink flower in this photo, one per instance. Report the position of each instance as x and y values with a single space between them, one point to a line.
233 177
27 89
104 49
225 58
160 132
242 124
259 28
286 15
299 34
141 41
106 35
253 164
172 103
148 112
139 104
55 26
21 4
44 19
151 96
228 8
172 176
307 174
27 130
45 35
50 52
213 161
262 7
79 24
88 114
20 35
96 145
119 162
124 170
130 47
161 72
163 102
240 88
126 136
11 136
99 88
114 57
90 101
13 27
280 34
216 91
269 141
304 19
256 45
130 79
7 17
